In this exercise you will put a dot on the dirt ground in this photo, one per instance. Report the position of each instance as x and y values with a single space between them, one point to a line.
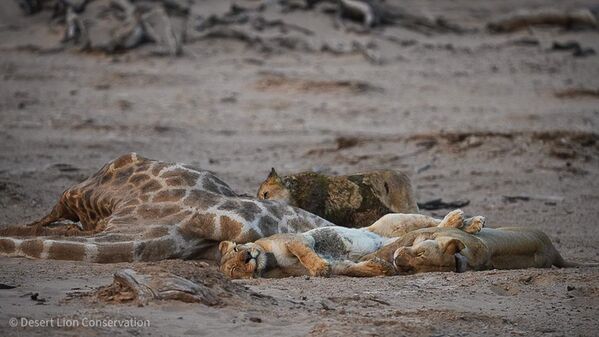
476 116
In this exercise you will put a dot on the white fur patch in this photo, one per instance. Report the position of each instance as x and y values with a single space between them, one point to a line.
281 254
358 242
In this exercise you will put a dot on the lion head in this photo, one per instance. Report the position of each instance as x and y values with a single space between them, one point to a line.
441 254
241 261
273 188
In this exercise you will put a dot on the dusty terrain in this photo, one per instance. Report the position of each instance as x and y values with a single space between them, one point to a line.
476 116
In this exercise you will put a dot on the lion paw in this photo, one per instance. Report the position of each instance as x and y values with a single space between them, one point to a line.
453 219
384 267
373 267
475 224
322 270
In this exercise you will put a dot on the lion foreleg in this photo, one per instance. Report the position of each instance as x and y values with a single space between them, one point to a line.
316 265
367 268
398 224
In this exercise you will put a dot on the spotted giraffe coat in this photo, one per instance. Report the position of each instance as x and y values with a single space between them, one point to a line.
138 209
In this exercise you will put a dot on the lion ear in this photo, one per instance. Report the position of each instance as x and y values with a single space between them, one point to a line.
225 246
451 246
273 174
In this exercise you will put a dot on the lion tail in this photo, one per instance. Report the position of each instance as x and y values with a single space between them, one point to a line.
561 263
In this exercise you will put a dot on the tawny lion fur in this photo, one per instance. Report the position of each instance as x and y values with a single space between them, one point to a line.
355 200
447 249
328 251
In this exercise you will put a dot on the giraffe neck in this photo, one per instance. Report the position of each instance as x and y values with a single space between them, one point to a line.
246 219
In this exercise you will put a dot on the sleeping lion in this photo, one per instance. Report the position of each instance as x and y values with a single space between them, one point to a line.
331 250
355 200
448 249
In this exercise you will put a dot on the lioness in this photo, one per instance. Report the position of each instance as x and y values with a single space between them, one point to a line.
355 200
329 250
448 249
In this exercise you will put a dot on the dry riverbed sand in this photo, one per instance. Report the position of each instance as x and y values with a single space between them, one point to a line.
494 119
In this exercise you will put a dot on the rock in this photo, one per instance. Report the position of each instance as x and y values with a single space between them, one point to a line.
327 305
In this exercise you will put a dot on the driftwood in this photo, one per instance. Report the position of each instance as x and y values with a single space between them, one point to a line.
239 16
260 23
246 25
374 13
546 198
158 29
573 46
75 29
6 286
522 19
577 92
114 25
130 286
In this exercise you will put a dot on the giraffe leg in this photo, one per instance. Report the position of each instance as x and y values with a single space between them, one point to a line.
24 231
59 212
45 221
69 229
72 229
316 265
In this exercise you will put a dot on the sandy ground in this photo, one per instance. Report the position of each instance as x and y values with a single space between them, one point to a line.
471 116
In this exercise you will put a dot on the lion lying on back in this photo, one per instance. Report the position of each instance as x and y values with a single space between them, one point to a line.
330 250
393 246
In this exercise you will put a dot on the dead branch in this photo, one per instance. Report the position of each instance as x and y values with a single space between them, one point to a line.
158 28
374 13
440 204
577 92
129 285
522 19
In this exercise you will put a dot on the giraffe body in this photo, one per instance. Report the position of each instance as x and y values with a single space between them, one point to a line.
138 209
